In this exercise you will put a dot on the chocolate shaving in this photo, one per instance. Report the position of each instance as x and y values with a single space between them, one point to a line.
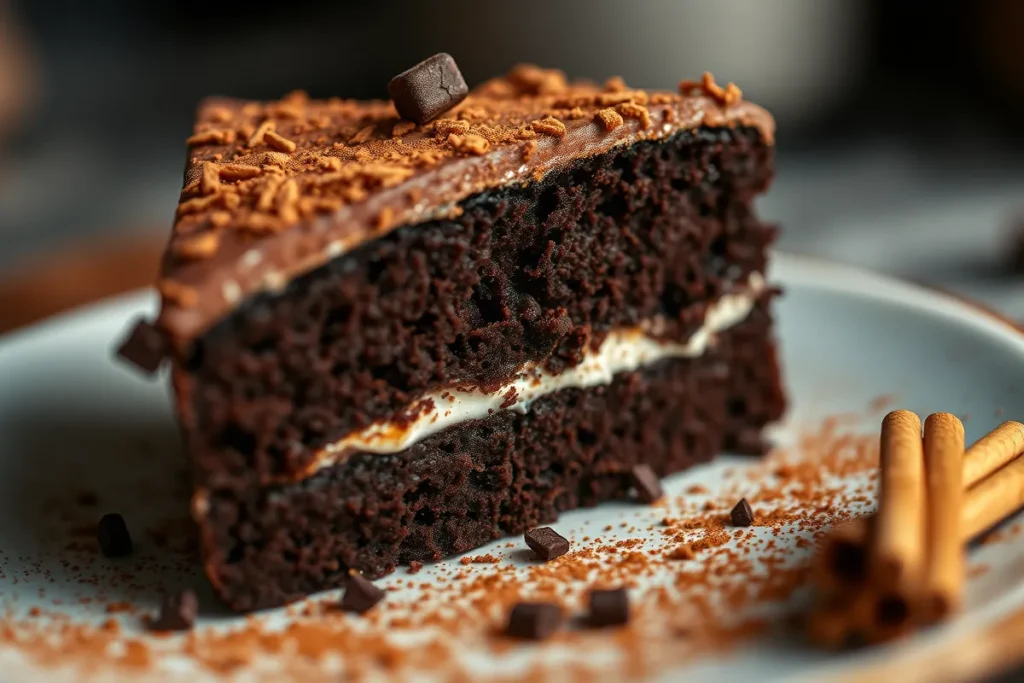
742 514
146 347
428 89
547 543
534 620
178 612
360 594
646 483
113 537
608 607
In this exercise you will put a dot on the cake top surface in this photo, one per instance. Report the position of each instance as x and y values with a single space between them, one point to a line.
275 189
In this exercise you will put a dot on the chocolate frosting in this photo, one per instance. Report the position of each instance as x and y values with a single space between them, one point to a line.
273 190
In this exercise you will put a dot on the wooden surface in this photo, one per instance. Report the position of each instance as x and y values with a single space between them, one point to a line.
76 277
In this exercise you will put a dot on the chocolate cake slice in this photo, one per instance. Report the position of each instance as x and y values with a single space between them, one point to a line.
394 342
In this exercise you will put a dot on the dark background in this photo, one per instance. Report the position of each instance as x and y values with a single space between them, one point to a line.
101 93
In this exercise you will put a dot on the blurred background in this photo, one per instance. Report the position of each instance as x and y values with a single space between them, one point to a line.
900 143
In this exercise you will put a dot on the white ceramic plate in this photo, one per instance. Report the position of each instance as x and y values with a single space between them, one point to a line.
74 422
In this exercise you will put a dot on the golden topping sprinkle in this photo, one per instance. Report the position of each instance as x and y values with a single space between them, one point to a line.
630 110
470 143
608 118
177 293
257 136
203 245
210 183
279 142
402 128
550 126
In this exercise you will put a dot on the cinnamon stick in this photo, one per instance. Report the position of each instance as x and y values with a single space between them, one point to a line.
993 500
860 610
992 451
899 544
841 558
839 625
944 565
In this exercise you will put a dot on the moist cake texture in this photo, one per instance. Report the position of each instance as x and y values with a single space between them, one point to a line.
393 343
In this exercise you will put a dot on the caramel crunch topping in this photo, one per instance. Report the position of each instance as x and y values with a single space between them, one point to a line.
609 119
630 110
550 126
203 245
470 143
279 142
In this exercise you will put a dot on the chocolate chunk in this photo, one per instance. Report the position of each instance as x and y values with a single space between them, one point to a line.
741 513
112 534
534 620
178 612
145 347
360 594
1015 234
609 607
547 543
646 483
428 89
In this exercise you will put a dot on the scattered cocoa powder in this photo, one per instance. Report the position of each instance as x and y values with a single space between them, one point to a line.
698 586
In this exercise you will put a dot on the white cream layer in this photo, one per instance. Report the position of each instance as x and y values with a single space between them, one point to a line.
622 350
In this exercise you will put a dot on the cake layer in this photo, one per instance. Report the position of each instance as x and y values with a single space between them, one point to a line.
483 479
621 350
533 273
276 189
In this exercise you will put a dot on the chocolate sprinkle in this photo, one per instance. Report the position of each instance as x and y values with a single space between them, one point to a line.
647 484
360 594
112 534
534 620
547 543
145 347
609 607
428 89
178 612
742 514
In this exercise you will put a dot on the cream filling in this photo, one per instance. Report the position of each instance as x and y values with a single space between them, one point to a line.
623 350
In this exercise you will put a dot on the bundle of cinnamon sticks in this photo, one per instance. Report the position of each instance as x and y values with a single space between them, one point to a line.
879 577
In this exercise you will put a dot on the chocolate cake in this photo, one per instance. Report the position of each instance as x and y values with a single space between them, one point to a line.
392 342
